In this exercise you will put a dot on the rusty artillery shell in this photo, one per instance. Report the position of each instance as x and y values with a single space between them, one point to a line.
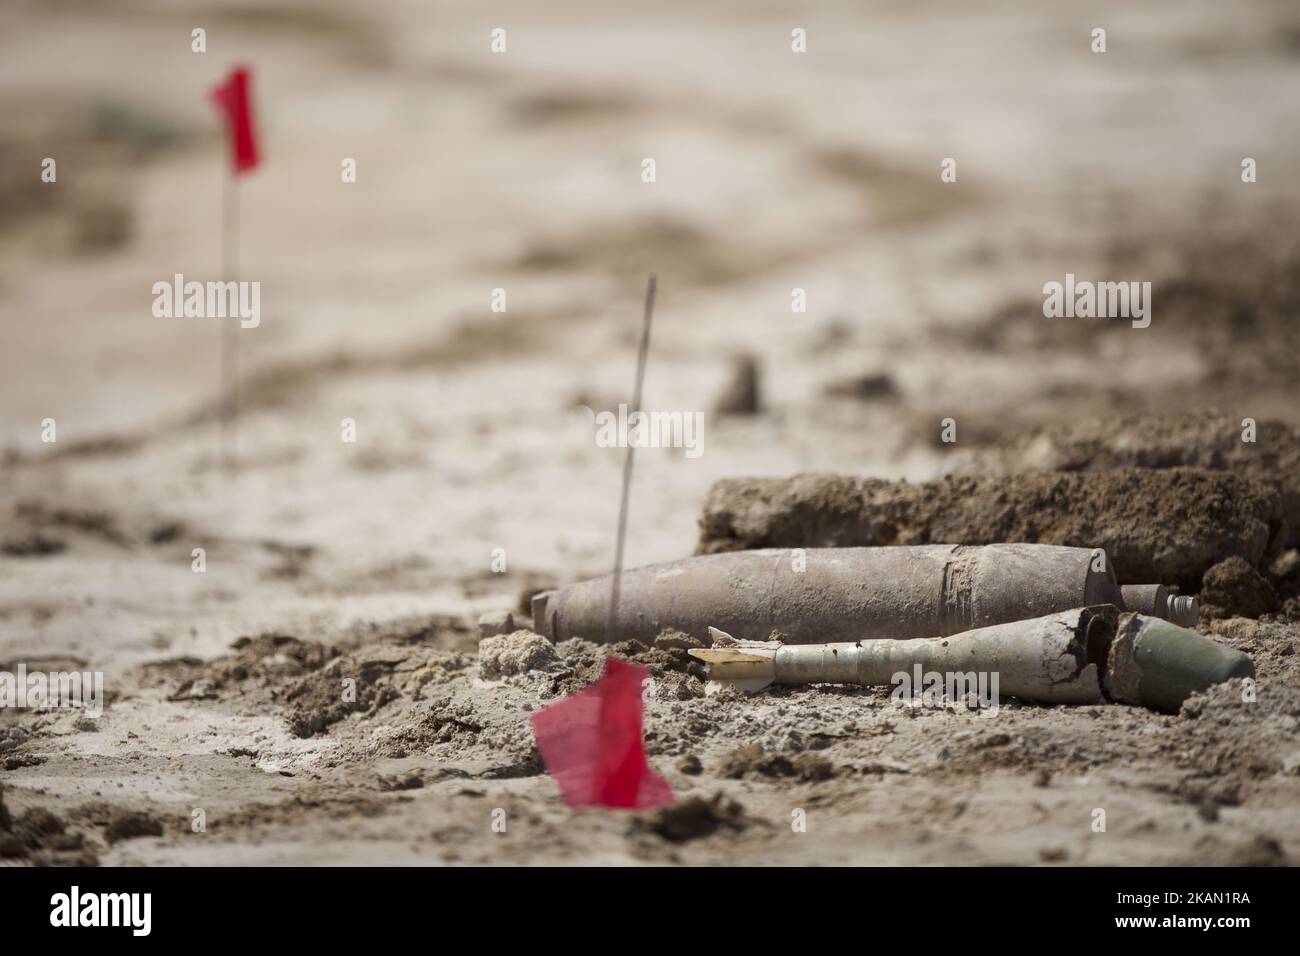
822 595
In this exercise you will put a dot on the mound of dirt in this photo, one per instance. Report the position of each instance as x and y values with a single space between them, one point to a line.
1233 588
505 655
1169 526
1270 452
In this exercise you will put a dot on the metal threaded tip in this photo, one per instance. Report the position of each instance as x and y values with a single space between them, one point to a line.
1184 610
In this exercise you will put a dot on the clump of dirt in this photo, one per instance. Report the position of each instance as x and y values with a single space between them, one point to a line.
452 721
364 681
262 662
1285 572
12 737
754 761
41 837
1289 610
1168 526
676 674
519 652
319 703
741 395
18 761
1233 588
673 685
131 824
690 765
662 660
694 818
671 639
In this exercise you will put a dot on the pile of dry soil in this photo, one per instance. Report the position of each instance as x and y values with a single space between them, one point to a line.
1169 525
1214 442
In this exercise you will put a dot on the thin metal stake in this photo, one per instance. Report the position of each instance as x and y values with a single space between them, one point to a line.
229 404
627 462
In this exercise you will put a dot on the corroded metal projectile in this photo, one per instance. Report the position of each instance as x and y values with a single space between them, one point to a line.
840 594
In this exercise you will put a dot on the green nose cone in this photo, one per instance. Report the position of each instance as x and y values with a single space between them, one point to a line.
1176 663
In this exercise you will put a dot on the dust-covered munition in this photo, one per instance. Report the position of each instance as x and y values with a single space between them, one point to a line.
817 595
1088 655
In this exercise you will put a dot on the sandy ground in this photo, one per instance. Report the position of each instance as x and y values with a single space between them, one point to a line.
522 171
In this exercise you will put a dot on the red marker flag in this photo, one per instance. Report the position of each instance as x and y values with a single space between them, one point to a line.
231 97
592 745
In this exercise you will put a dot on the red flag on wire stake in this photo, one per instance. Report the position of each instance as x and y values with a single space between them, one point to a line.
592 744
232 98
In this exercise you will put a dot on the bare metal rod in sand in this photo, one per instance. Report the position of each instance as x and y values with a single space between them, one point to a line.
627 462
